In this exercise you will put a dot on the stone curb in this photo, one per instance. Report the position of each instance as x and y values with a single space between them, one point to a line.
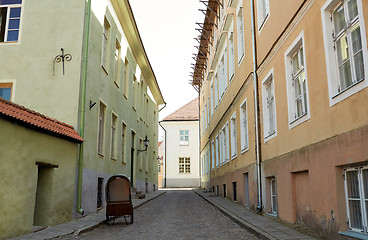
96 225
241 222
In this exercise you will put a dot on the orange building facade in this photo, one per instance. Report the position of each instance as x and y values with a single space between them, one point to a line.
283 116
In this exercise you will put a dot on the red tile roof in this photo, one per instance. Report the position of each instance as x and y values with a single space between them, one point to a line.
189 112
37 121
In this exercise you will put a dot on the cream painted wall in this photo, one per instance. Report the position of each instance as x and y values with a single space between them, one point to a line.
174 151
20 149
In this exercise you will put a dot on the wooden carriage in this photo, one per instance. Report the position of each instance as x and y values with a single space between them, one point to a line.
118 198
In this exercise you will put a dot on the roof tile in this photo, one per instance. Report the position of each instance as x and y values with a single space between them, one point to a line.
188 112
38 120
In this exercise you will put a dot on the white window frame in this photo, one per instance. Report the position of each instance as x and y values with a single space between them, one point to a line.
216 79
101 128
117 61
114 131
9 6
217 151
233 135
212 99
123 141
105 44
184 165
267 134
266 8
213 156
240 31
9 84
362 199
273 195
184 142
295 120
231 53
331 60
244 136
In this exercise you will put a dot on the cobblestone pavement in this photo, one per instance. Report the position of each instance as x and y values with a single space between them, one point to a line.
175 215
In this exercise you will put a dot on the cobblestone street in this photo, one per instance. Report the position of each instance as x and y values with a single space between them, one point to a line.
178 214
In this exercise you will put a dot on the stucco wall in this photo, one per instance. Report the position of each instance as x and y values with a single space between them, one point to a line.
20 149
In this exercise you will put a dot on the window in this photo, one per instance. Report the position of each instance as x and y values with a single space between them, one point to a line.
208 111
240 31
101 128
223 73
114 119
345 48
123 135
117 62
184 137
273 195
135 90
217 152
356 196
269 108
184 165
126 77
243 126
224 144
263 12
234 192
213 157
10 12
296 83
224 187
212 100
216 94
233 135
6 91
231 54
205 116
105 45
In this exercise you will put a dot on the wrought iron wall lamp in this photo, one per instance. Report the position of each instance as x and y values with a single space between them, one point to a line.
145 142
61 58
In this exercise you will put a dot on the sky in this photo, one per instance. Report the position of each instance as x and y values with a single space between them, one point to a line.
167 29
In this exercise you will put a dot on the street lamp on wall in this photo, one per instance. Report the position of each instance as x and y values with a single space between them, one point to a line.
145 142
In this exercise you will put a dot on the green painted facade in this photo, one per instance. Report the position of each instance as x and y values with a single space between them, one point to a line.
133 98
22 179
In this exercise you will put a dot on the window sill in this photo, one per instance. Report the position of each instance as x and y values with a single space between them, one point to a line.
272 215
354 235
270 136
113 159
233 157
10 42
346 89
244 150
125 96
116 84
263 23
104 69
101 155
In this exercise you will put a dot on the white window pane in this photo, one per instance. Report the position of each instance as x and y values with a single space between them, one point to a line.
339 19
342 49
345 75
353 9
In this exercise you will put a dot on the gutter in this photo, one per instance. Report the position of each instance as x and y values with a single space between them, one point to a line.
87 20
165 148
256 112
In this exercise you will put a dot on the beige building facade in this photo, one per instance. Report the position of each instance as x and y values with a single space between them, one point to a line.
283 86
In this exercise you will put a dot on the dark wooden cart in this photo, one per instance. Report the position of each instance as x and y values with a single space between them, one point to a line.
118 199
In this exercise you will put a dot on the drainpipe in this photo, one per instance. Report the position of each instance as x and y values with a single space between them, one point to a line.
165 148
87 18
256 111
164 141
199 133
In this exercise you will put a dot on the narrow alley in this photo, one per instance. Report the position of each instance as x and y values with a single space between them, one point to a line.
178 214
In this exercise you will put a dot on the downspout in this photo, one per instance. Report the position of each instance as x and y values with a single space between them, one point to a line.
165 148
256 111
200 141
164 141
87 18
